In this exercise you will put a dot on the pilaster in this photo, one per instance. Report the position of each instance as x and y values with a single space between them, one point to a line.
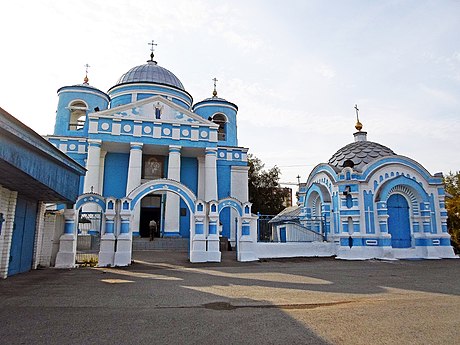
214 254
91 183
197 236
134 180
107 247
124 240
68 242
211 174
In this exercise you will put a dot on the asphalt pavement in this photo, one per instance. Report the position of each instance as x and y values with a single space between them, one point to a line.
163 299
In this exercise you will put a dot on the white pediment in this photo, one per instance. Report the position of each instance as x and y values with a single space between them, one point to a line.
157 109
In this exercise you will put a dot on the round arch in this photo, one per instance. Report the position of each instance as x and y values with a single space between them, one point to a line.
413 190
237 228
92 216
73 102
231 202
160 185
317 189
90 198
317 205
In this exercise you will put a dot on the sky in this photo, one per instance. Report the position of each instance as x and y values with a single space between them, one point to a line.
295 69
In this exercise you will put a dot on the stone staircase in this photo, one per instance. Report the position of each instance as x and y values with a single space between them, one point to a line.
172 243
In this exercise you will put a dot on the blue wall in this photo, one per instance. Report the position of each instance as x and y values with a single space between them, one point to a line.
189 173
179 97
115 174
189 177
120 100
223 191
223 179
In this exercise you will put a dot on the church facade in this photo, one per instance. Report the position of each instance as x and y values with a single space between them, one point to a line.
374 203
151 154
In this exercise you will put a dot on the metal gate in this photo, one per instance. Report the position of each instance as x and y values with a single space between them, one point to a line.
88 237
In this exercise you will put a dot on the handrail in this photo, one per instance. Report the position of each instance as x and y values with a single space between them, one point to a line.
297 233
304 228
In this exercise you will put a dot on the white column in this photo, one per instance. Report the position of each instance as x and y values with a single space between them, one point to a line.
134 180
210 166
172 207
201 177
135 167
93 167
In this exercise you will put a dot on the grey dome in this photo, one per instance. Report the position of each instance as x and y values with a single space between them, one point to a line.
150 73
360 153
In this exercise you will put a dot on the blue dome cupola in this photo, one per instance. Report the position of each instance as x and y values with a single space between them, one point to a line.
74 104
221 112
149 80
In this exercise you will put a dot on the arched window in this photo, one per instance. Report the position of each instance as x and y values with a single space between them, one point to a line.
77 115
221 120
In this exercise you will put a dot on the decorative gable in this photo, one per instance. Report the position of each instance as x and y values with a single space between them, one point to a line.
154 120
156 109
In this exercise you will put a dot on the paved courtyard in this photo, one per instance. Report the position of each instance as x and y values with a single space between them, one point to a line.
163 299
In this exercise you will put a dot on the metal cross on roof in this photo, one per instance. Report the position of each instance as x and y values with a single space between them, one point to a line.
214 93
357 110
85 80
152 49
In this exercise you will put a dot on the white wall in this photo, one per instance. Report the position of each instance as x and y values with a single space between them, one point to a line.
7 207
291 250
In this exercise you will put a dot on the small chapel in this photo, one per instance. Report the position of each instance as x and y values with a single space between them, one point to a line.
374 203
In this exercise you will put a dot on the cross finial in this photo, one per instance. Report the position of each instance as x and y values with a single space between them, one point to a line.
214 93
358 125
86 74
298 179
152 49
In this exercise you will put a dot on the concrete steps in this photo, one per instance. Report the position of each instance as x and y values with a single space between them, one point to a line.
175 244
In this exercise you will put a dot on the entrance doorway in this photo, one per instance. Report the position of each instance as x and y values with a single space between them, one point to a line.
151 209
398 221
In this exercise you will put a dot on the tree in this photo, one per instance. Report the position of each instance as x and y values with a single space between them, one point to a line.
452 186
265 192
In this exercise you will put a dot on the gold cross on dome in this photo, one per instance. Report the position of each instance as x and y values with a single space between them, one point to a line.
357 111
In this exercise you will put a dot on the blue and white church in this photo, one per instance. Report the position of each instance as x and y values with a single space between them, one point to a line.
152 154
377 204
